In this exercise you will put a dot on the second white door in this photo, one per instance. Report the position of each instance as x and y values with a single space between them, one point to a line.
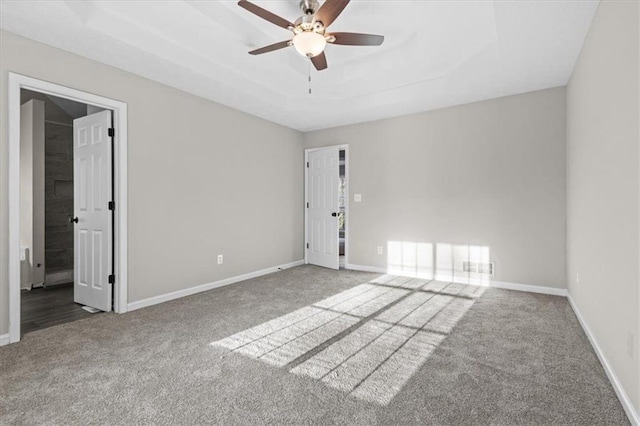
322 209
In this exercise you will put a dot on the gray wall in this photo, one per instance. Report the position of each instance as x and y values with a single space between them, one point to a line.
602 186
203 179
488 174
58 196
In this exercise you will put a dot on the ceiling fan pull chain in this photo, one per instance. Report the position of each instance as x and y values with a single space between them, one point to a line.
309 77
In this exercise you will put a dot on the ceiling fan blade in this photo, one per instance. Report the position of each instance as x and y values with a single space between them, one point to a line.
355 39
271 48
265 14
329 11
320 61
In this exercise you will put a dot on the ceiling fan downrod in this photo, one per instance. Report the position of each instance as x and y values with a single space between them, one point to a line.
309 7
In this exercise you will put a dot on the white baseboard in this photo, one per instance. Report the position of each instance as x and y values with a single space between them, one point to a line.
528 288
4 339
495 284
634 418
209 286
365 268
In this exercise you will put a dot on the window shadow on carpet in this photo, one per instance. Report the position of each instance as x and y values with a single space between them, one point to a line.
366 341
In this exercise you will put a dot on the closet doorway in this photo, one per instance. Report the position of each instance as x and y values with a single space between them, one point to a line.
326 206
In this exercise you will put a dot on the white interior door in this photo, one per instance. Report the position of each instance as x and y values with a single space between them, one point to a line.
92 194
322 213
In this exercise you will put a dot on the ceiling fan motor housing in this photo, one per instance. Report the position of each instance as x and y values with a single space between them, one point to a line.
307 23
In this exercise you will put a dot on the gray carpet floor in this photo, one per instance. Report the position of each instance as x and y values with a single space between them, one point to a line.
506 358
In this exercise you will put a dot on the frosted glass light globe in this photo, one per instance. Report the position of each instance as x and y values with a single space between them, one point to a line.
309 43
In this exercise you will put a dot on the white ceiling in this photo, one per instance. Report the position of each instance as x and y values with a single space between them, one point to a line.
436 53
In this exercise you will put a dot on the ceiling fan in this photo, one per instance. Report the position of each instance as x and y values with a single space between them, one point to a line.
310 35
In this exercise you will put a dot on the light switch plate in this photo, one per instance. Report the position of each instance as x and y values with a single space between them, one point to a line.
357 198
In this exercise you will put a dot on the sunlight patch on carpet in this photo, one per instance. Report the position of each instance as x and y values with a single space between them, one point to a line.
367 341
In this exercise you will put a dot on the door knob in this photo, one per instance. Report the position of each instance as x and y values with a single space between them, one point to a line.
334 214
73 219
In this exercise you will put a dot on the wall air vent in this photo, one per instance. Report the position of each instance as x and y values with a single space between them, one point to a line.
485 268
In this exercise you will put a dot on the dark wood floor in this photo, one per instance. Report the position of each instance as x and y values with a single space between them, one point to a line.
49 306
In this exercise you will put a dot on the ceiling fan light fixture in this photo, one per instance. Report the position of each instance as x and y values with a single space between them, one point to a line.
309 43
309 31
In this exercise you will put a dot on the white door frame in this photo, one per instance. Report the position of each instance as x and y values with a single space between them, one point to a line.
638 337
16 83
346 198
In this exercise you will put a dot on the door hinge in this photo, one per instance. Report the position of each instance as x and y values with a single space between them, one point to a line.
112 205
112 132
307 205
112 279
307 164
307 245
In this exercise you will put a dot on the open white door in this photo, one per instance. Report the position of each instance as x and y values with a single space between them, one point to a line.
93 219
322 213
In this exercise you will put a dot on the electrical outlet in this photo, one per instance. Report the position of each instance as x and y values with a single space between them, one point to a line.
630 344
220 259
577 279
380 249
